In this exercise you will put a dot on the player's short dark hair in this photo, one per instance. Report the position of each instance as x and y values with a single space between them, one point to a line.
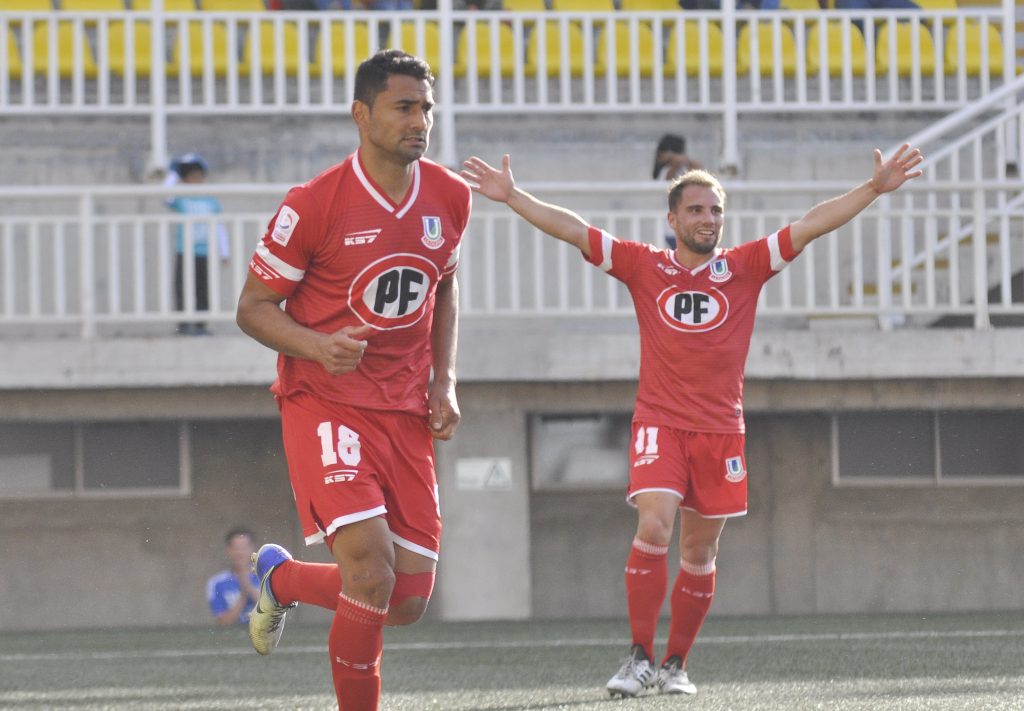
373 74
239 531
692 177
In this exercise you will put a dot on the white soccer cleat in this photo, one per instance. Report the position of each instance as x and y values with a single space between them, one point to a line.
266 621
672 678
635 675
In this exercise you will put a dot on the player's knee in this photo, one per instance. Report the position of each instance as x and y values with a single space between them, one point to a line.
407 612
698 551
654 529
372 583
409 597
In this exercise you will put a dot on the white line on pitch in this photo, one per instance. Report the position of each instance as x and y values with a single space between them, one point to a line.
520 644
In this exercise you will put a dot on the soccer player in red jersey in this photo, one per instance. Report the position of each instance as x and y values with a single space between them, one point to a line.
695 307
364 256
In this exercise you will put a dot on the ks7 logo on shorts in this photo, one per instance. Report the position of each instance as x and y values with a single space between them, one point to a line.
393 291
693 311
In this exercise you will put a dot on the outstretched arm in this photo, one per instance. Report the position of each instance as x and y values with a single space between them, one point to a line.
500 186
836 212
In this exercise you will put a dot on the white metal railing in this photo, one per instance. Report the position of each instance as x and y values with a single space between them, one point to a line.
160 64
95 261
980 142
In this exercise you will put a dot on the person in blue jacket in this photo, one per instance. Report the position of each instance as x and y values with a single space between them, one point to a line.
232 593
192 168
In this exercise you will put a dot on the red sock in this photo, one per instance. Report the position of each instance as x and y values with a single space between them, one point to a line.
691 600
646 578
355 644
313 583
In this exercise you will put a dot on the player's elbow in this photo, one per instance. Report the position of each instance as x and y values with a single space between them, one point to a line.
242 315
246 313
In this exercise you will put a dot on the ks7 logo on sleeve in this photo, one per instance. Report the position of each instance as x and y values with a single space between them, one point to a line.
693 311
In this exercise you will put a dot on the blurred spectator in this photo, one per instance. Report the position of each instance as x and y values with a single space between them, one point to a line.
192 168
486 5
876 5
671 161
309 5
232 593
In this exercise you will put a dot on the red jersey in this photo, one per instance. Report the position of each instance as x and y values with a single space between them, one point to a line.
343 254
695 325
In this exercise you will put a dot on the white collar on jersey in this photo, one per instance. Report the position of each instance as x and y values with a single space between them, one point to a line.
382 200
700 267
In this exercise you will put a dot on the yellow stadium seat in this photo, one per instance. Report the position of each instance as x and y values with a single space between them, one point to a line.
13 56
338 54
582 6
623 50
904 49
649 5
92 5
195 60
972 50
834 58
524 5
553 48
765 49
431 48
506 50
799 5
715 54
118 50
269 40
232 5
27 5
66 60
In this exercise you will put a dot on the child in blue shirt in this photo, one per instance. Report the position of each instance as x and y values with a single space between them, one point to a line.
192 168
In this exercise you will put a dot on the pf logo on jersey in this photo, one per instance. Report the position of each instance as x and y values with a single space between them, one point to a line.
392 292
693 311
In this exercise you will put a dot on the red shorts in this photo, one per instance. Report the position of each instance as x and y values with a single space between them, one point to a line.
706 471
349 464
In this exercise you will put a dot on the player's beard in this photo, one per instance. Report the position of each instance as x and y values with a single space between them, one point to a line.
413 151
696 246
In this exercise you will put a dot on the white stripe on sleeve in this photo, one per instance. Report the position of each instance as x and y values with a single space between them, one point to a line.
279 265
775 253
453 261
606 251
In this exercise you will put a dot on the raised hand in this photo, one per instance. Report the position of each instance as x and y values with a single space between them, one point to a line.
892 173
490 182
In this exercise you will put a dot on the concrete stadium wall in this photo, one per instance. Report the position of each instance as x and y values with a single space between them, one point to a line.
293 148
805 547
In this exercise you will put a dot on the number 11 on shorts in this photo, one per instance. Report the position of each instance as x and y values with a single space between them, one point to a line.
345 447
646 440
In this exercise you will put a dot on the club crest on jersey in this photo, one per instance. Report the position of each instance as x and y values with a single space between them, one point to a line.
393 292
734 470
693 311
432 237
720 271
